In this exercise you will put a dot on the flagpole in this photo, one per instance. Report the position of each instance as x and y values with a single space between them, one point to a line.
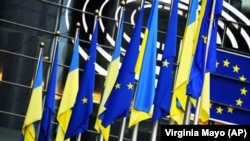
198 104
188 105
39 57
154 132
135 132
96 18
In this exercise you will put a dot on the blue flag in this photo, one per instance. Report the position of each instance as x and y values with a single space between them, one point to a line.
211 62
83 107
197 73
119 101
230 83
49 104
163 93
229 114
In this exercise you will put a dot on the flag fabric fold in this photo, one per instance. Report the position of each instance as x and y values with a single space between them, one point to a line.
69 93
197 73
179 96
204 59
83 107
163 92
34 111
142 107
113 70
119 101
48 110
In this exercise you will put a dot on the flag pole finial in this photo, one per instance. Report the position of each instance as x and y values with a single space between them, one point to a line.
42 44
78 24
96 12
122 3
57 33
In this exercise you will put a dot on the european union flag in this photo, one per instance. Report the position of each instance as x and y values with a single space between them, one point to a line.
230 84
163 93
233 65
83 107
119 101
197 73
229 114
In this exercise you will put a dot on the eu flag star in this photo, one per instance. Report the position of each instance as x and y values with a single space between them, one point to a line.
243 91
219 110
239 102
236 68
226 63
130 86
117 86
165 63
84 100
230 109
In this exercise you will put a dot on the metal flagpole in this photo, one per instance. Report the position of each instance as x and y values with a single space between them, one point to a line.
122 129
135 132
198 104
32 85
154 132
188 105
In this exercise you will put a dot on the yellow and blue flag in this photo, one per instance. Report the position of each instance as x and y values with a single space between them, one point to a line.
49 104
142 107
113 70
34 111
119 101
69 93
163 92
179 96
83 107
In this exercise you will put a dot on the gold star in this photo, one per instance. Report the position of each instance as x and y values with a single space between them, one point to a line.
117 86
204 39
165 63
236 68
217 64
85 100
239 102
242 78
243 91
130 86
211 104
88 57
226 63
230 109
219 110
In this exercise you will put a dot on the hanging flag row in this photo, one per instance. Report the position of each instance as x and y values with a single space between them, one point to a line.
122 96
